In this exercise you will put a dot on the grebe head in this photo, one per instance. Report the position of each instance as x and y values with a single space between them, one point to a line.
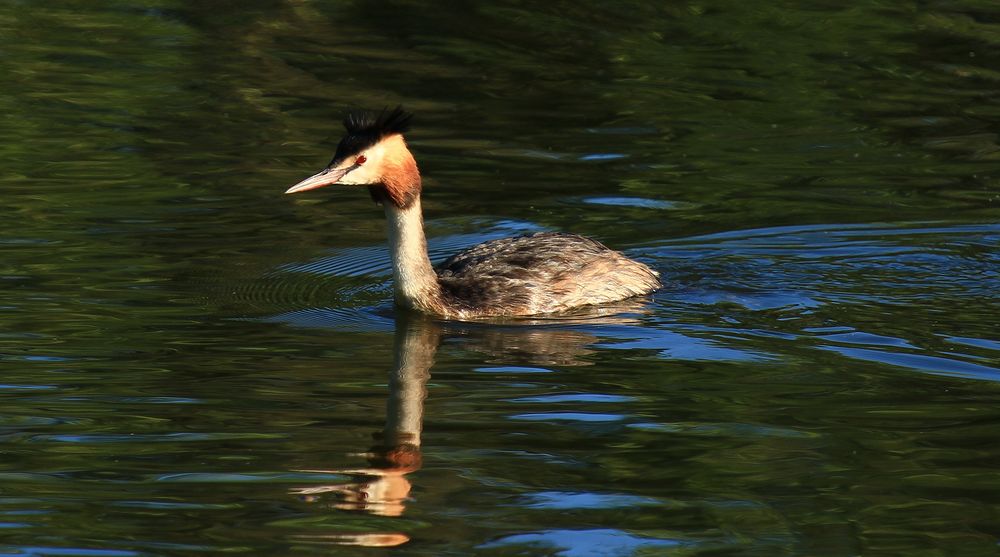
373 154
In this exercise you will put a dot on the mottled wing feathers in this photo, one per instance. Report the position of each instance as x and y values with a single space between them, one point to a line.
541 273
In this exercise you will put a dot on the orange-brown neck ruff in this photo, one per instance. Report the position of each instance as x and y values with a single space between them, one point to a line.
400 183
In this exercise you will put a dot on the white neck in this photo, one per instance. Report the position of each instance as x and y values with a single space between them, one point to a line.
414 280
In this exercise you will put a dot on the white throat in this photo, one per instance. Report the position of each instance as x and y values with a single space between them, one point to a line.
414 280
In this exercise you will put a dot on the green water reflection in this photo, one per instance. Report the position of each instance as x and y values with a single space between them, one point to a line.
194 363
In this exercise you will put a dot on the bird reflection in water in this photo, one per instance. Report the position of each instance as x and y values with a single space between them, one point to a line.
382 488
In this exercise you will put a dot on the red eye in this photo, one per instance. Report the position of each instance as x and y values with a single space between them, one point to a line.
360 160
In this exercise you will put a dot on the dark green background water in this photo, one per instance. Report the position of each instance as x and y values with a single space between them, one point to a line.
193 363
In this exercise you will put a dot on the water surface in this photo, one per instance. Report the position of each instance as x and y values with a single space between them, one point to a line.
195 364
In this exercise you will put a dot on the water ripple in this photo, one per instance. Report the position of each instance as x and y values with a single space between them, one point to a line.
590 417
74 551
151 437
930 364
586 543
566 500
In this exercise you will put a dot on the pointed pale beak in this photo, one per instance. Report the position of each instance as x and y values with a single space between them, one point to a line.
322 178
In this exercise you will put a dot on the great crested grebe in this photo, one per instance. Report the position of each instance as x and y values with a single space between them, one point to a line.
528 275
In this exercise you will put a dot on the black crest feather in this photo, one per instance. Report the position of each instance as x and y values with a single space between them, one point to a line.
366 128
363 122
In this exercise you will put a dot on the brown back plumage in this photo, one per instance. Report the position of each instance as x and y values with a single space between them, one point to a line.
540 273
